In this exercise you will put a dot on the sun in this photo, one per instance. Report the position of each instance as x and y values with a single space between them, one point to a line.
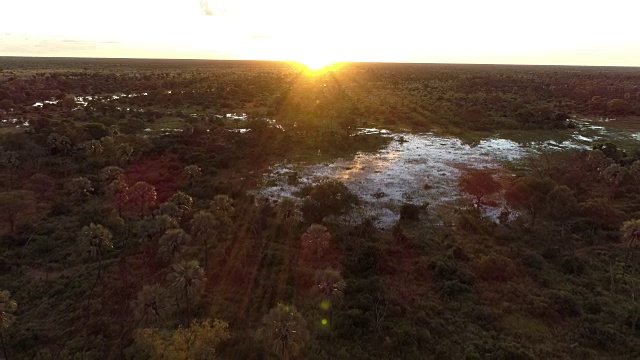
315 61
317 64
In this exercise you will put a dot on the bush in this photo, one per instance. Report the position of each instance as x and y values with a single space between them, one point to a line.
454 288
565 304
572 266
410 212
330 197
495 268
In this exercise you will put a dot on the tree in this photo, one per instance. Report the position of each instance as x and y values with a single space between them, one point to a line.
15 205
79 188
315 241
92 148
186 282
118 192
6 104
60 144
191 173
619 107
529 194
150 306
41 184
478 183
7 307
9 160
284 331
631 234
602 213
331 285
222 208
561 206
330 197
196 342
95 239
205 230
142 196
177 206
109 174
172 242
616 176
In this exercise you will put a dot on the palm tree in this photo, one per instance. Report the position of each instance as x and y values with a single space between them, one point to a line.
190 173
284 331
79 188
150 306
204 228
177 206
118 191
222 208
171 242
95 239
315 241
7 308
186 281
631 234
142 196
331 285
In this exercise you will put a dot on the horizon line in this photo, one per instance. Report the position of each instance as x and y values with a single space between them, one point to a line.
297 62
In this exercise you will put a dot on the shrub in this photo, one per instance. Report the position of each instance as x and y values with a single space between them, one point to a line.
410 212
565 304
495 268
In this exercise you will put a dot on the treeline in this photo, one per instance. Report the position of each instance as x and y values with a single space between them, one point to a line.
418 95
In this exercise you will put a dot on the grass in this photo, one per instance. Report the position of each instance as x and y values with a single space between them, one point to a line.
167 122
11 130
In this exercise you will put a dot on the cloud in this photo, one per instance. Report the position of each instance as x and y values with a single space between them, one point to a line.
206 10
55 45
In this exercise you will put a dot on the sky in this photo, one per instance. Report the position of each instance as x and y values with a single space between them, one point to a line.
563 32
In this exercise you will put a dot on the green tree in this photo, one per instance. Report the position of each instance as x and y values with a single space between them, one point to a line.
95 239
562 206
222 208
196 342
60 144
631 234
178 206
109 174
7 307
186 282
16 205
205 229
330 197
191 173
9 160
619 107
151 306
331 286
79 188
283 331
41 184
92 148
529 194
172 243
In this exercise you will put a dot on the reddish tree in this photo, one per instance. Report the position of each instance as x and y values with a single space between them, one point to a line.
478 183
142 196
